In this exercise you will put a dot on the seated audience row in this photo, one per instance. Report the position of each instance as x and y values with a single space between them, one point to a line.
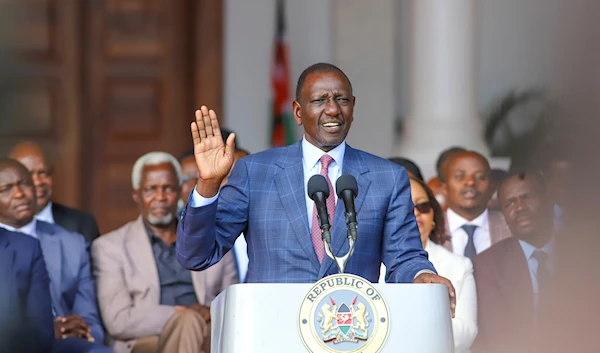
133 287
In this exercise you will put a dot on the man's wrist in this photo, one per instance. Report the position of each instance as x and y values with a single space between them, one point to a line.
423 271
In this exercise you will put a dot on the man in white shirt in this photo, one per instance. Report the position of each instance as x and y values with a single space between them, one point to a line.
471 226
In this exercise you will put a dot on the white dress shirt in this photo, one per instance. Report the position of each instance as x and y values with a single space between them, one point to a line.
532 263
481 237
46 214
28 229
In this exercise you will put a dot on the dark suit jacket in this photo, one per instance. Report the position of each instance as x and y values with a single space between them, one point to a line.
505 299
26 321
76 221
265 199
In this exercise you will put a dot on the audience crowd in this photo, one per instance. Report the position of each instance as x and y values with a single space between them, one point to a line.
492 233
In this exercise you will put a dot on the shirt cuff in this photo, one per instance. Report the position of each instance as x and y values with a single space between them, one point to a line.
198 200
423 271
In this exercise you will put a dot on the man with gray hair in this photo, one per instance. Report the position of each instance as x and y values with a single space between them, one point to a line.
148 302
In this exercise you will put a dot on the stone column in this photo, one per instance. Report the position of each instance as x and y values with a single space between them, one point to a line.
441 66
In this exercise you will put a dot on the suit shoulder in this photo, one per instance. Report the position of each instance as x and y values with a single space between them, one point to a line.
117 235
378 164
19 240
495 252
454 259
60 232
73 212
267 156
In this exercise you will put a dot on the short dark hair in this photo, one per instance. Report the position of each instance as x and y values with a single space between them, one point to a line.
317 69
444 157
438 233
521 174
498 175
408 165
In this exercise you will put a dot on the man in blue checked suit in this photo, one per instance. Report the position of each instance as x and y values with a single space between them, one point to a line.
265 198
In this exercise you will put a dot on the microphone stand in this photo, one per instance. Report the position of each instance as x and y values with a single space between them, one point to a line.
342 261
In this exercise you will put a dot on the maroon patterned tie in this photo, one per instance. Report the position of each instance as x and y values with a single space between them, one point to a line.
315 233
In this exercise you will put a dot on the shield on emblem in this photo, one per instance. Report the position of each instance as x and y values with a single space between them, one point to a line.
344 318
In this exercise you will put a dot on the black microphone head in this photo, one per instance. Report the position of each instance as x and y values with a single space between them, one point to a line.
346 182
317 183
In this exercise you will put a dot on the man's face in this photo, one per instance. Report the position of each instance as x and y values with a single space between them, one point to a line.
467 182
41 173
190 177
525 206
158 194
17 196
325 109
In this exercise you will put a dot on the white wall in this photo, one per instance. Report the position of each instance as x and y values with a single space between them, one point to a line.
522 43
249 37
364 47
350 33
534 43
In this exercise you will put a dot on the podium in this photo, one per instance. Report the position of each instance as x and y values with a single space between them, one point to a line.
268 318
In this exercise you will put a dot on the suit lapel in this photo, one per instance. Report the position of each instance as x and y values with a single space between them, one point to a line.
7 275
58 214
515 281
52 249
287 181
139 247
354 166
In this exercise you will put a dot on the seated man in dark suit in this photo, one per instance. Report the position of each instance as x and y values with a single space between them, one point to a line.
512 277
35 160
25 308
77 323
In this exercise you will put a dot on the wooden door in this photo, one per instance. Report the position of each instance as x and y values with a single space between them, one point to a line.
41 89
101 82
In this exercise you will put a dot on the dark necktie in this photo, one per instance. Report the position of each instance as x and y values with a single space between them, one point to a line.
315 232
543 272
470 251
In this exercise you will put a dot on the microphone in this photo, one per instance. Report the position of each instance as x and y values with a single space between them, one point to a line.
318 191
347 190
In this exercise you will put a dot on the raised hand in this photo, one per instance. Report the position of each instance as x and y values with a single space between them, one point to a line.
214 158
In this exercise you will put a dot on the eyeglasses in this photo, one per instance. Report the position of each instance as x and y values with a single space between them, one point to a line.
423 207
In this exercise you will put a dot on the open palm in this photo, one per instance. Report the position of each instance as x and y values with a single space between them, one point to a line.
214 158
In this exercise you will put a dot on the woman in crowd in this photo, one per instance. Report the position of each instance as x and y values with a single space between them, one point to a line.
458 269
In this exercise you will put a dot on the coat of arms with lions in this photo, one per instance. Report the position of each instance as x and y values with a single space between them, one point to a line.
346 323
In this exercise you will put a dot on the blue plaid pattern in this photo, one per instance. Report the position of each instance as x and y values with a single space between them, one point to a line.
264 199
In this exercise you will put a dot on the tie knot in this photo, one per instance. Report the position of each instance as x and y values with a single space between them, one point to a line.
540 255
470 229
325 161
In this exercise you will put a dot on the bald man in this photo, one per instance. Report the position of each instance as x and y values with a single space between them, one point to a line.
467 186
33 157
